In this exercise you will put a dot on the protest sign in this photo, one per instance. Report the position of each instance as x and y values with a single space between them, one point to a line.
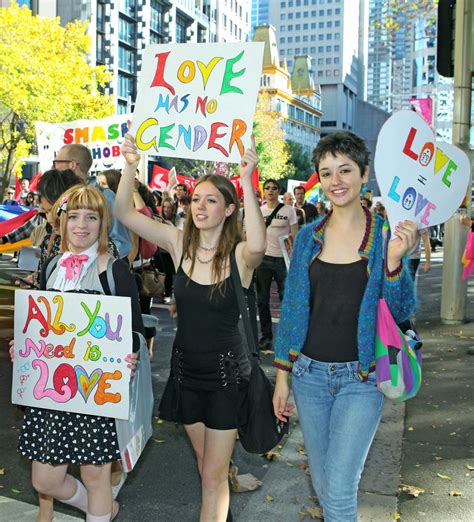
70 352
102 137
198 100
420 179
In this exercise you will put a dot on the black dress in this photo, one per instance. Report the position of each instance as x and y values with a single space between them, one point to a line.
209 366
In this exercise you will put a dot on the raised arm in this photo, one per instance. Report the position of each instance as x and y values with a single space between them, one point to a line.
166 237
254 248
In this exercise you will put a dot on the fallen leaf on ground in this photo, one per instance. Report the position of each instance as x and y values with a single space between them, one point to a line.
2 471
415 491
397 516
244 483
314 499
444 477
410 428
289 464
469 467
301 515
269 498
271 455
301 451
267 352
17 491
159 441
296 500
456 494
303 466
315 513
438 458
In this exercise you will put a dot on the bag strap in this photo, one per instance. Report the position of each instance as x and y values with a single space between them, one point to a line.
110 276
386 239
50 267
269 219
244 312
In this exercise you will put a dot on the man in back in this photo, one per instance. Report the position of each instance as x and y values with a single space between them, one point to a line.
309 210
280 220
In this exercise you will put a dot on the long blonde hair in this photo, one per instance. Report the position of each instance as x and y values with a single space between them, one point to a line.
231 232
84 197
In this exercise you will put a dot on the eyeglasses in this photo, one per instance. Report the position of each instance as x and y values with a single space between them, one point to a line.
271 187
61 161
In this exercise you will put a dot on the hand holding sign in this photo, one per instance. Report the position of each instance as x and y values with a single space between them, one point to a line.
129 150
248 162
420 179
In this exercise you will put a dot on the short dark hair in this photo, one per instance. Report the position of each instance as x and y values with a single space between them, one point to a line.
271 180
112 176
54 182
182 185
299 187
81 154
342 142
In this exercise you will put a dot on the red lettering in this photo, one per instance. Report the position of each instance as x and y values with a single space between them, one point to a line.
238 130
115 151
407 148
159 80
214 136
69 136
34 313
201 104
65 375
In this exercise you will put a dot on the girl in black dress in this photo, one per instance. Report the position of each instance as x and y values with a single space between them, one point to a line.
206 390
54 439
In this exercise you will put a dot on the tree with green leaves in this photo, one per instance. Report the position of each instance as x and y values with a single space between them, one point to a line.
44 76
300 162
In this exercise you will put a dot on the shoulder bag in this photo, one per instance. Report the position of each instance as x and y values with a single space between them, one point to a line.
262 431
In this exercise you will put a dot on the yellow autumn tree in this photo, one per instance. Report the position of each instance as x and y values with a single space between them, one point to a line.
270 143
44 76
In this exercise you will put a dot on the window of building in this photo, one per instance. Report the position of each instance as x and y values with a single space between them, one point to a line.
298 14
290 16
313 37
127 31
320 61
337 48
283 5
305 27
321 25
328 73
312 50
305 38
320 36
282 52
313 25
101 18
126 86
329 12
336 59
128 7
290 64
306 2
297 50
127 60
313 13
337 36
181 27
321 12
298 3
329 36
320 49
328 48
336 72
282 16
337 23
320 73
298 27
157 12
328 61
297 39
100 48
337 11
290 39
329 25
282 28
305 14
290 52
282 40
305 50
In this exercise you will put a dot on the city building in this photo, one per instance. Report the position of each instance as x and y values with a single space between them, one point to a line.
121 30
292 95
379 69
260 14
334 34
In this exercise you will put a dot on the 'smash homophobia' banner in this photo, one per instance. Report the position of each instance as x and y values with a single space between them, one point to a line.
103 137
198 101
70 352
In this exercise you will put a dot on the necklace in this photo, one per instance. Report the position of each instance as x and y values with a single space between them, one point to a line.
212 249
204 262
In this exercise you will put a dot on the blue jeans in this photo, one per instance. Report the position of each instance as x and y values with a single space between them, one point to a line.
339 415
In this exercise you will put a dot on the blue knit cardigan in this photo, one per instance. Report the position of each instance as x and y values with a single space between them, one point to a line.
397 289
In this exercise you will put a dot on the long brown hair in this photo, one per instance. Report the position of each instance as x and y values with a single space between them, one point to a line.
231 232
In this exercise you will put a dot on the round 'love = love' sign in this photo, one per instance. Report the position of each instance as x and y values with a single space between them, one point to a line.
420 179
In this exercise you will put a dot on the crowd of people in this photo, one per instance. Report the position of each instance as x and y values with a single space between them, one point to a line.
198 240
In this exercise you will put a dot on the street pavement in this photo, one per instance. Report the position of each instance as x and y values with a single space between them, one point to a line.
425 443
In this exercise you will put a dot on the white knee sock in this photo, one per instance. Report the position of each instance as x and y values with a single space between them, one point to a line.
79 499
98 518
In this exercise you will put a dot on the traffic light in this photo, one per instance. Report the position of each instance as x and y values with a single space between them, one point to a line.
445 43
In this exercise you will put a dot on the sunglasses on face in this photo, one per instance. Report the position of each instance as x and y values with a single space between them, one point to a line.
271 187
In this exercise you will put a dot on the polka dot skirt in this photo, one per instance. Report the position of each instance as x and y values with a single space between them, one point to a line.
58 437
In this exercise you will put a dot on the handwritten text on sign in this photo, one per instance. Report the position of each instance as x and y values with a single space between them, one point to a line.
102 137
420 179
198 100
70 352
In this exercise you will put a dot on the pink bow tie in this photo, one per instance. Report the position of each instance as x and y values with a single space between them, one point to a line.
73 265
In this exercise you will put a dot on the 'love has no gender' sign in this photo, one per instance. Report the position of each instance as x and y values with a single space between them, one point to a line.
420 179
198 100
70 352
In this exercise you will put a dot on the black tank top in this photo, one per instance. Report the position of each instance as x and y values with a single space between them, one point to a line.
336 295
205 323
